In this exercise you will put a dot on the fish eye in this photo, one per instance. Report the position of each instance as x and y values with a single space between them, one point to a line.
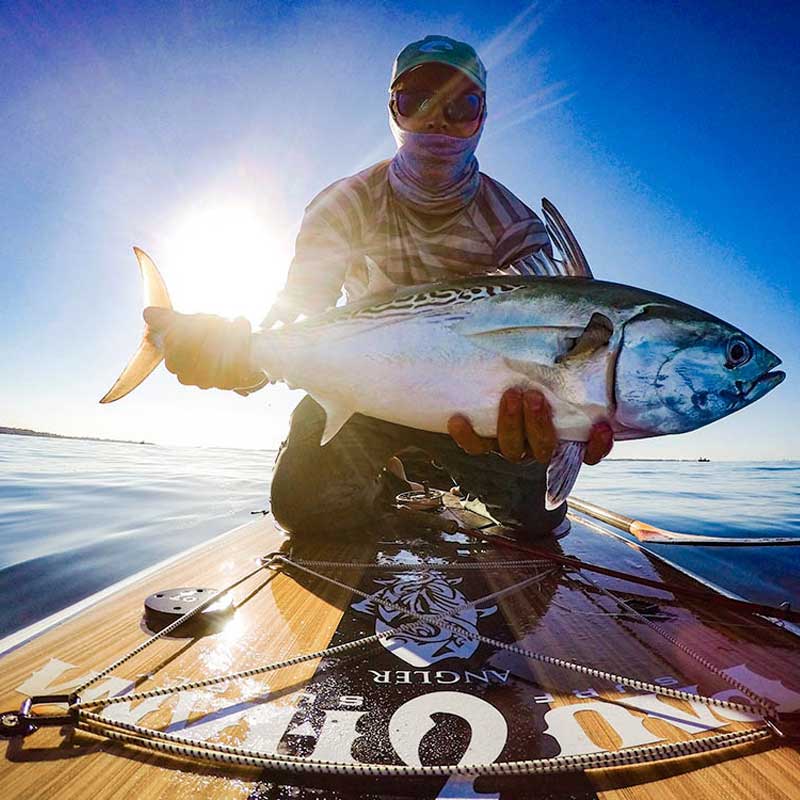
738 352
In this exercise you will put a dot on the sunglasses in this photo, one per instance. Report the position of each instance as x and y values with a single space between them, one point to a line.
464 108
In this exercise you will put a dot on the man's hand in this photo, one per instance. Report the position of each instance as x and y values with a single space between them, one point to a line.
204 350
281 312
525 430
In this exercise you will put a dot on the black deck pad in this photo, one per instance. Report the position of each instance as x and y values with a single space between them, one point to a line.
431 697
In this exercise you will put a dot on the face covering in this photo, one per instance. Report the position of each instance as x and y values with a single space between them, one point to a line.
433 173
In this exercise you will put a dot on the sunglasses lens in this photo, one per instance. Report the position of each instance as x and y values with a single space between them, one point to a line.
409 103
466 108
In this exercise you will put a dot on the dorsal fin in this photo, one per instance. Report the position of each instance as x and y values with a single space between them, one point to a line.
574 261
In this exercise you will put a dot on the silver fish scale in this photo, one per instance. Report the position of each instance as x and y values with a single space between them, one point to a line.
645 363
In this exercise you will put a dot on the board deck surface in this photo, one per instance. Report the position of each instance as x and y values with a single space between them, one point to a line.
434 696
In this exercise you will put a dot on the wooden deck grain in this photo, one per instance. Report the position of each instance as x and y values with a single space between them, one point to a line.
286 612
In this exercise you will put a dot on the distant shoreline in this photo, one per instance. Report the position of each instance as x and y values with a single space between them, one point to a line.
44 435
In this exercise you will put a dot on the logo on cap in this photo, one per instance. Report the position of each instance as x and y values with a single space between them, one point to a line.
435 46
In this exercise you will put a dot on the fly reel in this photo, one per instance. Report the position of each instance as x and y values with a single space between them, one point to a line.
431 500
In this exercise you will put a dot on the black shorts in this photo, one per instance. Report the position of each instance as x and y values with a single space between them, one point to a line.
339 488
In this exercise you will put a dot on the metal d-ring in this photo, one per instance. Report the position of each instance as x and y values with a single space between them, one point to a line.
26 720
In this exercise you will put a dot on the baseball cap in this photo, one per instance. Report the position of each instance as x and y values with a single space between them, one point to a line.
441 50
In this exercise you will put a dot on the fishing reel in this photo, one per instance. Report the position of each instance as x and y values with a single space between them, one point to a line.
423 508
427 499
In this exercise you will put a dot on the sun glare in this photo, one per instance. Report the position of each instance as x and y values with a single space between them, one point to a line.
224 260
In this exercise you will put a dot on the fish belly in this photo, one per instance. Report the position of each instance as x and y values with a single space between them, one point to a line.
419 372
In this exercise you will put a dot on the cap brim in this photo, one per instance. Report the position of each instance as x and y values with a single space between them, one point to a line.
440 58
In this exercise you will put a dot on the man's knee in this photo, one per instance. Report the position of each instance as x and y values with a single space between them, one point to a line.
311 494
293 477
335 487
286 501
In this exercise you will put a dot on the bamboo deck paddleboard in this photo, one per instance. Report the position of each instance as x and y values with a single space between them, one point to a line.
471 683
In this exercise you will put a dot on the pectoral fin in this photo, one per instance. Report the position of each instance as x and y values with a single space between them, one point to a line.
539 344
594 336
148 355
336 415
562 472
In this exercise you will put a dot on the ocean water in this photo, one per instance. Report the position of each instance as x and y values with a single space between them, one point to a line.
77 516
727 498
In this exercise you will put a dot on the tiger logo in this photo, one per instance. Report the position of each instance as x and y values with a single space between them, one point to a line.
424 643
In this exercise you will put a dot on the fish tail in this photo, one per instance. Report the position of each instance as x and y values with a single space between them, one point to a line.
149 353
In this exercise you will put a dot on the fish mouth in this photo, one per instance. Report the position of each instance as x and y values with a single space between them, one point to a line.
771 378
746 392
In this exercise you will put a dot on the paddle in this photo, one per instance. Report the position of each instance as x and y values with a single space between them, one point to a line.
645 532
784 612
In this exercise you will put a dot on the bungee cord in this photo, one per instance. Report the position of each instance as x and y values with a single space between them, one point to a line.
88 714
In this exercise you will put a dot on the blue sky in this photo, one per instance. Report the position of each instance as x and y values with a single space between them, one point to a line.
665 132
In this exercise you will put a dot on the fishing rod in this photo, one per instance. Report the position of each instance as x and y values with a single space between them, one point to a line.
428 509
783 612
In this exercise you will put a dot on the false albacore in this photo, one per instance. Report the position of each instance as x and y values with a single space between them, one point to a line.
646 363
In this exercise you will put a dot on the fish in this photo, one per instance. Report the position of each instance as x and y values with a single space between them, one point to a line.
645 363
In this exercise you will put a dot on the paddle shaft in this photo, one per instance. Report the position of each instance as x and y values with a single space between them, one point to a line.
651 534
685 591
603 514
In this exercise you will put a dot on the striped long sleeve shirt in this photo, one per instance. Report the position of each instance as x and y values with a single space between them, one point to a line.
360 216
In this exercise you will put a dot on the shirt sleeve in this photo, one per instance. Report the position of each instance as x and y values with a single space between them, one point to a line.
323 251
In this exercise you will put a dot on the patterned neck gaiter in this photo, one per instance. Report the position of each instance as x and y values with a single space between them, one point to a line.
433 173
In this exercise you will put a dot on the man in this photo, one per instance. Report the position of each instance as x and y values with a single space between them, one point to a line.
426 215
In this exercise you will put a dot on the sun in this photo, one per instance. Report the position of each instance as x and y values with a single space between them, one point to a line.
224 259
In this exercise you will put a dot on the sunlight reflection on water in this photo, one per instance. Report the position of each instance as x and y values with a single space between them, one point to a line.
77 516
734 499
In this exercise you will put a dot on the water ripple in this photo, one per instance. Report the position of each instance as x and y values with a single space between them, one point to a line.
76 516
